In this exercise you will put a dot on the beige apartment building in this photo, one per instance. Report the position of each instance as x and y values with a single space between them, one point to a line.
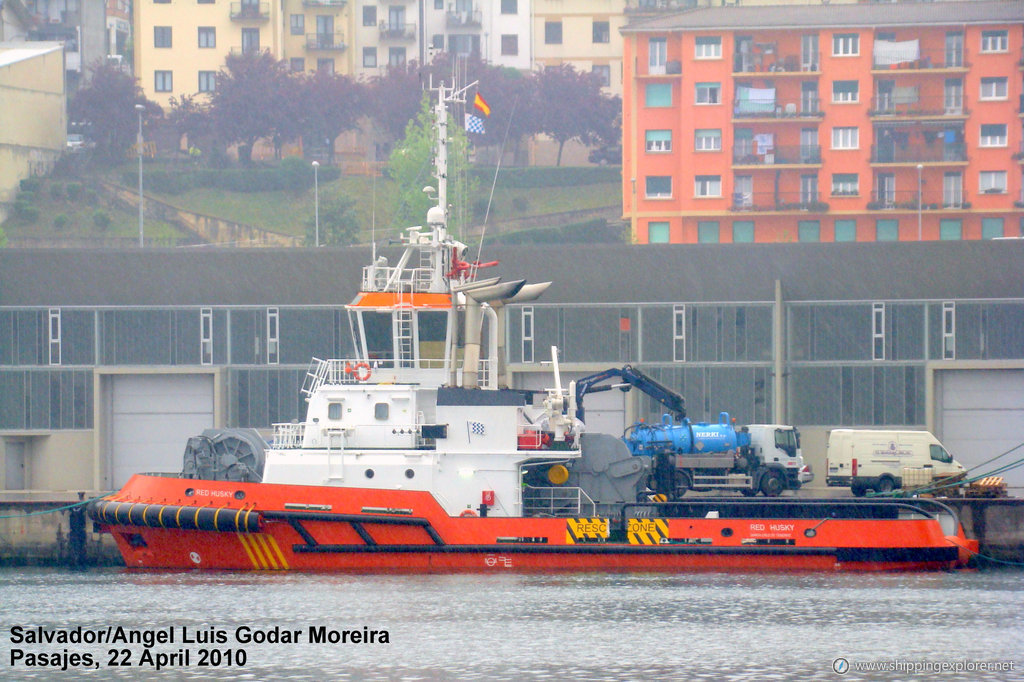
584 33
33 117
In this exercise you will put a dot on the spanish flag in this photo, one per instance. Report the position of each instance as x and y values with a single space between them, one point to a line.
482 105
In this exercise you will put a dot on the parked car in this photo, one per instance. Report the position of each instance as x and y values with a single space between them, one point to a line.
77 142
612 154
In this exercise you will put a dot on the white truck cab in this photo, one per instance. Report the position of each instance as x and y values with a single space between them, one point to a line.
886 460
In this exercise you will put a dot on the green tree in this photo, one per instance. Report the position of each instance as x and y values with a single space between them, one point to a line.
411 167
338 223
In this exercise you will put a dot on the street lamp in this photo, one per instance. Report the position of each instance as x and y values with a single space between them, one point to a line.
138 143
919 167
316 199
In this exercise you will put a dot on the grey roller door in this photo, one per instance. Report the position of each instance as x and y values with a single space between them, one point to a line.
980 415
151 417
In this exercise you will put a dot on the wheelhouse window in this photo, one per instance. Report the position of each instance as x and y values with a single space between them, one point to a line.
273 336
54 332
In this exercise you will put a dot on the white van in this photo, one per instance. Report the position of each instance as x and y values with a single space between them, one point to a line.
882 460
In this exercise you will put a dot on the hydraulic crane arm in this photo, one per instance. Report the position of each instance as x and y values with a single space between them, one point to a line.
632 377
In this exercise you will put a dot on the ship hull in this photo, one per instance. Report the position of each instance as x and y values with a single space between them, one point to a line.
174 523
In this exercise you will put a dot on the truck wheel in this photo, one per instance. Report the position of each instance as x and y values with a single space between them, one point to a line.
772 484
683 483
886 485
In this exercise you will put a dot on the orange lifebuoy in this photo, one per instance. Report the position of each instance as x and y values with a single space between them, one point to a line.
359 370
467 513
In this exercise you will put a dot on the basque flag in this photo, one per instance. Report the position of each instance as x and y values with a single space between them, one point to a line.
474 124
481 105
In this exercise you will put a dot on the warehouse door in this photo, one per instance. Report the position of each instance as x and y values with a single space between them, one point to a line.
151 416
980 414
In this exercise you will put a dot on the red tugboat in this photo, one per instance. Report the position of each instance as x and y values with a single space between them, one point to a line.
413 458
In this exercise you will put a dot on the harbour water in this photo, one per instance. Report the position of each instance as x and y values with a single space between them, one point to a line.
703 626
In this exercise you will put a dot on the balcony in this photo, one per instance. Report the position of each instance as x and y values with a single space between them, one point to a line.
910 106
325 41
250 11
907 200
887 60
747 65
338 4
463 18
933 153
397 31
807 108
777 201
796 155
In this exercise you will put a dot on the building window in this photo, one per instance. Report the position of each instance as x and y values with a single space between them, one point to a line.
207 81
658 187
887 230
437 41
553 32
948 330
878 331
707 186
991 228
845 91
658 232
707 140
438 4
845 138
808 230
845 45
510 44
163 81
657 55
603 73
658 141
709 93
993 135
658 94
161 36
298 64
273 336
951 229
250 40
994 41
53 334
993 88
206 336
708 47
846 230
601 33
396 56
992 182
370 57
325 65
743 232
679 333
207 36
298 24
369 15
527 332
845 185
707 231
510 6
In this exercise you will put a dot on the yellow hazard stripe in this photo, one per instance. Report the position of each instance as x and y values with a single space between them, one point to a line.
265 548
245 546
280 555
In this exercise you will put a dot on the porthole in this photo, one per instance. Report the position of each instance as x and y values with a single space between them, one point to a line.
409 473
369 473
239 494
189 492
727 532
810 532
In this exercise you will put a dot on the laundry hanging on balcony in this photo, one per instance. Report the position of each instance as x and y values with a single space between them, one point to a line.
755 100
889 52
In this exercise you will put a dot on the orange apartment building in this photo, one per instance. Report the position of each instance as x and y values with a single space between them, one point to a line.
825 123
